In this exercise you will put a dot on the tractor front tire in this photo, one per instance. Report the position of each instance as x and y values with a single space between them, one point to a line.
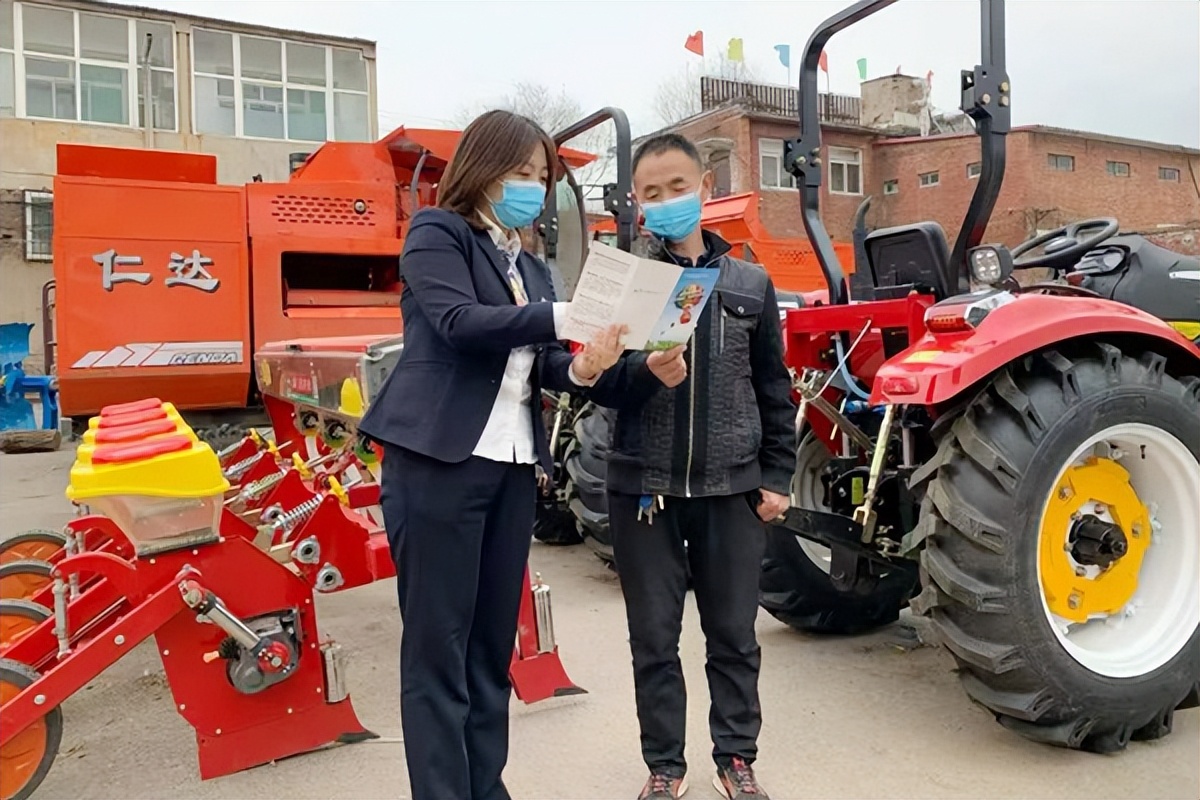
1084 448
795 586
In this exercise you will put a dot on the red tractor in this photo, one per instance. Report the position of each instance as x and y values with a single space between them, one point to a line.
1018 462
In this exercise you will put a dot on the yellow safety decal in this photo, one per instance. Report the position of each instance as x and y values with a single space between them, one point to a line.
923 355
1190 330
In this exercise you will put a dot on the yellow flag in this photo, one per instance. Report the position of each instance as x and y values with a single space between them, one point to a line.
735 50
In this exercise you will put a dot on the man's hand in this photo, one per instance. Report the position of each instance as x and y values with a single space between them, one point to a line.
772 506
668 365
600 353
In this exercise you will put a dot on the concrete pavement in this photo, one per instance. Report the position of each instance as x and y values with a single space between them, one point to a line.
863 717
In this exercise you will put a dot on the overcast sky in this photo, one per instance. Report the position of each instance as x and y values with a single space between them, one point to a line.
1122 67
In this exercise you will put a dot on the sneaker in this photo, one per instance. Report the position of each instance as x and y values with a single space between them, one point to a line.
737 782
663 786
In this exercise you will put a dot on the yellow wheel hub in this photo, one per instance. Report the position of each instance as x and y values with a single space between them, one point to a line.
1076 592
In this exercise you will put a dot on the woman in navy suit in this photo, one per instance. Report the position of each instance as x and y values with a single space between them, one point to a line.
460 423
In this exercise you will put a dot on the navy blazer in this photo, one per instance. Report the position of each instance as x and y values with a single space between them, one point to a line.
460 324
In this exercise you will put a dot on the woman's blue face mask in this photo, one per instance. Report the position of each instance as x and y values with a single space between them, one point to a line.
673 219
519 204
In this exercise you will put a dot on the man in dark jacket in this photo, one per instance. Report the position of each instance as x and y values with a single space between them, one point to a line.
702 455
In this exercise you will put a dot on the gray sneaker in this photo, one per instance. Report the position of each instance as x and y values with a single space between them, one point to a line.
737 782
663 786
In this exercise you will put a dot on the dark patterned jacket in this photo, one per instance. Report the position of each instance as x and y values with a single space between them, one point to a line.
729 428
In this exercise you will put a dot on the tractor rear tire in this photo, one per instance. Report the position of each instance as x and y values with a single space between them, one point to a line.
795 586
1002 522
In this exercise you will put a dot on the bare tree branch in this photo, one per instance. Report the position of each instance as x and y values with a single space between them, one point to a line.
555 111
678 96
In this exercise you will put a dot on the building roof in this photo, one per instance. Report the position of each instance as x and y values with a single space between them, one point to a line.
1049 129
129 10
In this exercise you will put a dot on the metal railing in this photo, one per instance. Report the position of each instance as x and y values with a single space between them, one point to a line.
781 100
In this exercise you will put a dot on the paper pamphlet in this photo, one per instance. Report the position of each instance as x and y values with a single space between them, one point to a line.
660 302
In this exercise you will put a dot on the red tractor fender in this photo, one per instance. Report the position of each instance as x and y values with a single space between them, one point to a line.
939 366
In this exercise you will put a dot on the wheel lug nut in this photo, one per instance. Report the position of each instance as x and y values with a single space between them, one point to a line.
1101 508
1073 600
1080 572
1065 493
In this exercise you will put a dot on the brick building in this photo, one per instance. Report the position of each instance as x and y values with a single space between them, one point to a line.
873 145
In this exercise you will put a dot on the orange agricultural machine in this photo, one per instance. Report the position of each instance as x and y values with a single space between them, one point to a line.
166 282
792 263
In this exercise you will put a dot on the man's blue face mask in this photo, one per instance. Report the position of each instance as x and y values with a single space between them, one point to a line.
520 203
673 219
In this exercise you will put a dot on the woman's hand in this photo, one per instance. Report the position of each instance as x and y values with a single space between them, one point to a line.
600 353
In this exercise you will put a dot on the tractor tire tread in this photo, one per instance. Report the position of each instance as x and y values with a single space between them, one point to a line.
967 561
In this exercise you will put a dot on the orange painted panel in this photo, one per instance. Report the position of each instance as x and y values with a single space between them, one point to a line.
152 293
96 161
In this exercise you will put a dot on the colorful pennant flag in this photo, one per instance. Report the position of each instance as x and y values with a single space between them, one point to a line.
823 62
735 50
862 69
695 43
785 54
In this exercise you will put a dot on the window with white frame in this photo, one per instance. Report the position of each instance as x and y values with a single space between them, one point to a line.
845 170
79 66
929 179
772 175
274 89
39 226
974 170
891 186
8 74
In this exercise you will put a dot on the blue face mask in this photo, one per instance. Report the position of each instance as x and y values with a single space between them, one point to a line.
673 219
520 203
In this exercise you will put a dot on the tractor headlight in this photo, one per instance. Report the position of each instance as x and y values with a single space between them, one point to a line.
990 264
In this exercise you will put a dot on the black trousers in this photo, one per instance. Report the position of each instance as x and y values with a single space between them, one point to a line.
725 543
459 534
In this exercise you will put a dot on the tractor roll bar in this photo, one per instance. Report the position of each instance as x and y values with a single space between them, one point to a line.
985 98
617 196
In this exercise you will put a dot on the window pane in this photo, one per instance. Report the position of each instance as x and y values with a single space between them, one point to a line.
49 88
837 177
8 103
6 24
261 58
349 70
213 52
262 110
844 155
350 123
306 64
853 179
162 92
39 230
162 46
104 38
769 167
306 115
214 105
102 94
48 30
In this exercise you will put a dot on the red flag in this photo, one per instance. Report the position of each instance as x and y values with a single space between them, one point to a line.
695 43
823 63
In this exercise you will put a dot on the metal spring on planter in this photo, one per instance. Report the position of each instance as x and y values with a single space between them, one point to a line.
298 514
236 471
256 489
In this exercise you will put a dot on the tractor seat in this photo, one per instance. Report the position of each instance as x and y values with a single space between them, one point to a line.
907 258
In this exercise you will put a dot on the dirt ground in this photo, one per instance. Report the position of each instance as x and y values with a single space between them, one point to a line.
875 716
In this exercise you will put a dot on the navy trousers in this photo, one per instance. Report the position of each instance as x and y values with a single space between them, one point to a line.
459 534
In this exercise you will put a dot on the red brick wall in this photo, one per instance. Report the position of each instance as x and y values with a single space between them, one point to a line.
1033 195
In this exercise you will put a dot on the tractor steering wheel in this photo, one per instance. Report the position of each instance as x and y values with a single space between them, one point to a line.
1063 247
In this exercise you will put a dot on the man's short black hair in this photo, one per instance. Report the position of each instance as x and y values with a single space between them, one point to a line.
664 143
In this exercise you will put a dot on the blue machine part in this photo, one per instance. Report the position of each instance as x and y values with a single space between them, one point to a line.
16 412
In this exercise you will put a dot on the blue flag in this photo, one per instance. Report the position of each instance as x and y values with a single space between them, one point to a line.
785 54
